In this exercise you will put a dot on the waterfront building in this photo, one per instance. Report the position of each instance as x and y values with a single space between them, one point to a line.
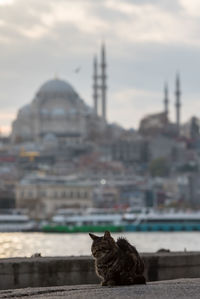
42 196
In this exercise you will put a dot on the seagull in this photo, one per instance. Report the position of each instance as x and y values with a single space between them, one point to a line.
77 70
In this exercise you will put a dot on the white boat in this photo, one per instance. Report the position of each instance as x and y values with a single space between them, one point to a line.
92 220
134 220
88 217
152 215
162 221
15 221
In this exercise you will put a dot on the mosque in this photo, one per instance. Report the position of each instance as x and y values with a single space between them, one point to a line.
58 113
159 122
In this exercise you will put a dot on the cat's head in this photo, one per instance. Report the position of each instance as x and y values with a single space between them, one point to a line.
102 245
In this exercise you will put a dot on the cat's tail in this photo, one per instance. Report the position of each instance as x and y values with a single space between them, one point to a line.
130 249
124 244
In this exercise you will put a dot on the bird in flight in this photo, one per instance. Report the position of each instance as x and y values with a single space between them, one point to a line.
77 70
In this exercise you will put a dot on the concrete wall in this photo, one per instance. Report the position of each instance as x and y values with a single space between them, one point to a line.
55 271
166 266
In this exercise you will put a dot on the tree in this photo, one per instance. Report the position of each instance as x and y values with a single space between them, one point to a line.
159 167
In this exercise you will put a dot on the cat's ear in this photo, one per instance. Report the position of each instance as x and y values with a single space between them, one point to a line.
93 237
107 235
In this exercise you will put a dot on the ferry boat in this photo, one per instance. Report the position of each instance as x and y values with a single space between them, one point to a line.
92 220
15 221
162 221
144 220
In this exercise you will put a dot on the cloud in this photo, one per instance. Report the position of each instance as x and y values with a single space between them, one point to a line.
6 2
112 19
152 23
41 19
191 7
129 106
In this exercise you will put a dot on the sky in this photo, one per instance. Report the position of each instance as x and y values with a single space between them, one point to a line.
147 43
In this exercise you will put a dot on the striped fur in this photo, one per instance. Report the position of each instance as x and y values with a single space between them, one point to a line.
116 263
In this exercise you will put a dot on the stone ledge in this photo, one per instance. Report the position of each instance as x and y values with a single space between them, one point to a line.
181 288
57 271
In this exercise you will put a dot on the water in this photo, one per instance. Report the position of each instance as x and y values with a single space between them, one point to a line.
26 244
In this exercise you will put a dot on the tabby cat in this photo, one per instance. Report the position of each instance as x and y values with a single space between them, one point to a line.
116 263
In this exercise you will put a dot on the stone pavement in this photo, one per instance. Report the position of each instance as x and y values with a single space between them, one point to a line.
171 289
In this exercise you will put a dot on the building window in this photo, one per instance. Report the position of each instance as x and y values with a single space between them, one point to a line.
43 193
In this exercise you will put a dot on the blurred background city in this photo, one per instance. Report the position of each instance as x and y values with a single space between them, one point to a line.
100 122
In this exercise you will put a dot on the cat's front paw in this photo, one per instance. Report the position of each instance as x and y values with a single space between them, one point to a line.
111 283
108 283
103 283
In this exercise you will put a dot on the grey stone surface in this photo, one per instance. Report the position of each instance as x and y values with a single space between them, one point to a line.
182 288
18 273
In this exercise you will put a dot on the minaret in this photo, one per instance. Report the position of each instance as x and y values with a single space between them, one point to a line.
103 81
95 86
166 102
177 103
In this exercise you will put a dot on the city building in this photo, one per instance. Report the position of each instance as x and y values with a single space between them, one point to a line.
42 196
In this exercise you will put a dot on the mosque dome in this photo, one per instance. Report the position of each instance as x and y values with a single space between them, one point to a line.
56 87
56 111
25 110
